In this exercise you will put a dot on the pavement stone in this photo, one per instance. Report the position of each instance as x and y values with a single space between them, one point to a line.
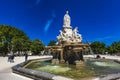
5 68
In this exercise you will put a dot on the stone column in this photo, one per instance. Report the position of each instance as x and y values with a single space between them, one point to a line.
61 56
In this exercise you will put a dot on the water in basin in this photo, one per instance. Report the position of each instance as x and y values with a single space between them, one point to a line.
90 68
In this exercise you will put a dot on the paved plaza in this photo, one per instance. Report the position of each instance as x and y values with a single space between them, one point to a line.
5 67
6 72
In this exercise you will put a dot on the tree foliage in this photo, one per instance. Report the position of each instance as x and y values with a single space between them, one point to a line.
109 49
15 40
52 43
98 47
36 46
116 47
11 39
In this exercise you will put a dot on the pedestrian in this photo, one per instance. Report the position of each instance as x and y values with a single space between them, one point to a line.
12 58
26 56
9 58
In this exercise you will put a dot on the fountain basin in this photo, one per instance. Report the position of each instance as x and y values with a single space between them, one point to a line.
36 75
43 69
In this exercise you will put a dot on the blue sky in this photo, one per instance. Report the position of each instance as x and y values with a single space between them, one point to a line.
97 20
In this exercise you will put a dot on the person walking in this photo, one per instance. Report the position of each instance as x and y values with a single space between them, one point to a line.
9 58
12 58
26 56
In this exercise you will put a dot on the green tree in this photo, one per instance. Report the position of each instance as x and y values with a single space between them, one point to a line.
36 46
109 49
10 37
98 47
116 47
52 43
13 40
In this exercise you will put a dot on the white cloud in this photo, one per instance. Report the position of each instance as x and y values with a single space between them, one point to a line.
48 25
49 22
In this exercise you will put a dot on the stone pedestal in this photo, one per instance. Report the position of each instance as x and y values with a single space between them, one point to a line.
55 61
62 61
78 63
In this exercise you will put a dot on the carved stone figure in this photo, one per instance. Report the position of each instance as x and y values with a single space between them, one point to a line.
67 19
67 34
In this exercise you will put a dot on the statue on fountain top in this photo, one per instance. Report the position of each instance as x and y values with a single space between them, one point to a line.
67 20
67 34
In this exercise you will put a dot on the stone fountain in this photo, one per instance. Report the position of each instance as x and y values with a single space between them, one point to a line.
69 47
